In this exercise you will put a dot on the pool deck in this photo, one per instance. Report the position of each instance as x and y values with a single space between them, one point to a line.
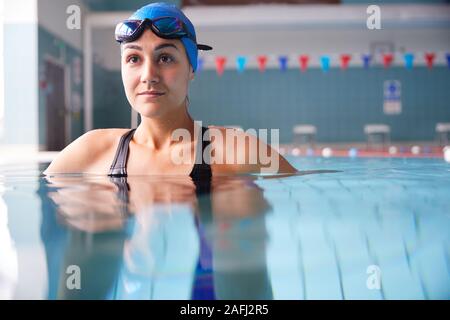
10 154
393 150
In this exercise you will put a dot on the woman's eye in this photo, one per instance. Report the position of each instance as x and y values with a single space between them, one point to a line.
165 59
133 59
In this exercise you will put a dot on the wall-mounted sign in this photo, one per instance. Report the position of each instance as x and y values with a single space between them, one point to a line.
392 103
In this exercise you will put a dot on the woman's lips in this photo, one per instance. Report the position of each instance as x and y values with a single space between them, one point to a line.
151 95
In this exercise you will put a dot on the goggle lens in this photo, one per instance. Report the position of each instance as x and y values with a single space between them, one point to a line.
163 27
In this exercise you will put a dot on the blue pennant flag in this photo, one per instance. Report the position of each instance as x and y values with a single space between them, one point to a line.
283 62
448 59
200 64
325 61
409 60
366 59
240 62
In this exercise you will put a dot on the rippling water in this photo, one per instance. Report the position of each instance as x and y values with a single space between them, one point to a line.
342 229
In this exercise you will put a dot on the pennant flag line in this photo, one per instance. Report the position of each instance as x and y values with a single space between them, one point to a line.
344 61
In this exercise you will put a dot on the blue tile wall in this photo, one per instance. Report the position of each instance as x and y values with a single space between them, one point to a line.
338 102
111 107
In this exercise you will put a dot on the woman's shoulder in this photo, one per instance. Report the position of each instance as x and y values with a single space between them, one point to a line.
239 151
85 151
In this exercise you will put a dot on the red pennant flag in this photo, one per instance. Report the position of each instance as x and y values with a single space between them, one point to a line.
303 60
345 59
220 65
430 59
262 63
387 59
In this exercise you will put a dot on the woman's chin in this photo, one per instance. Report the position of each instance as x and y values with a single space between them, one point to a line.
151 110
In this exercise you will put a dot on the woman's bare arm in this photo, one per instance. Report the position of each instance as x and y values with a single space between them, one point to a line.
79 154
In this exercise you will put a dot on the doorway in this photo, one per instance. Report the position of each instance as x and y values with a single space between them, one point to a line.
56 113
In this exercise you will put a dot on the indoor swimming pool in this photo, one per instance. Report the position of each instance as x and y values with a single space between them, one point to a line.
345 228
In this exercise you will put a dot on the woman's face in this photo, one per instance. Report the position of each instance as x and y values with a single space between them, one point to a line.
151 63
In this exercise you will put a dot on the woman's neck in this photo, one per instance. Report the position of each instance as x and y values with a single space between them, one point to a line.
156 134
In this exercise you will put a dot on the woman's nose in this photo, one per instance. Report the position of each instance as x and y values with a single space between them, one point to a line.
150 73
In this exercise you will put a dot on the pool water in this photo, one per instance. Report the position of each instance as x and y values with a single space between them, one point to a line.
343 229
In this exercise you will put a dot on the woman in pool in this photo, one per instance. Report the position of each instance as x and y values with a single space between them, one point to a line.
158 61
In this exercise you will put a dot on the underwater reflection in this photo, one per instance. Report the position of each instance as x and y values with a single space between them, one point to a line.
155 237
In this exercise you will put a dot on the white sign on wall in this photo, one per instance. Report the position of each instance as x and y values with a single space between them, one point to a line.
392 103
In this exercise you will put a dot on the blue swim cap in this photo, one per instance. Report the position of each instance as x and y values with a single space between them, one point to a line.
162 9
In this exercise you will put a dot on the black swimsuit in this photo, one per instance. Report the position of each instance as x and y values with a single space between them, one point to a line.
201 170
203 282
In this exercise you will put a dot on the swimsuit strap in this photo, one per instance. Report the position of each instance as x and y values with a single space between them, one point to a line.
119 165
202 169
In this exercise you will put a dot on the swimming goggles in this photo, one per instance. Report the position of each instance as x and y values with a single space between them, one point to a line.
163 27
